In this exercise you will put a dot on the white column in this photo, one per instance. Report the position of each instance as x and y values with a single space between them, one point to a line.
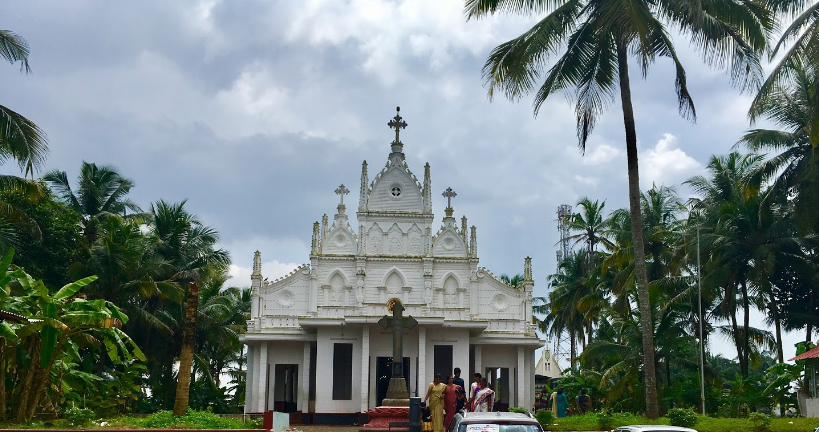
304 374
261 380
521 378
422 361
365 368
250 400
478 361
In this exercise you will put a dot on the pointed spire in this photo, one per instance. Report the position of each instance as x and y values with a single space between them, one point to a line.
473 243
315 245
527 269
362 198
324 228
257 264
463 228
427 190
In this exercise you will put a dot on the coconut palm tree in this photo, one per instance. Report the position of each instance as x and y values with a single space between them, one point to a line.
793 170
744 242
803 32
513 281
189 246
101 192
20 138
599 36
591 226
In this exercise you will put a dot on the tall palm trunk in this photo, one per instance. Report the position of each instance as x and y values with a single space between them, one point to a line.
183 383
2 379
737 337
774 307
641 277
746 334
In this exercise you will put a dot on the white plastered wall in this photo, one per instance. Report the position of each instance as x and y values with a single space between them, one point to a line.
326 337
458 338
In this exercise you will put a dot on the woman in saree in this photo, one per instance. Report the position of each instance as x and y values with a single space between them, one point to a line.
435 395
484 399
450 401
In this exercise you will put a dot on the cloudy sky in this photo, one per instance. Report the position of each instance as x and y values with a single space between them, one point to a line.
255 111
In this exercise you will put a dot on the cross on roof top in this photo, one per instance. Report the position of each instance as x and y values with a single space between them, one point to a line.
397 123
341 191
449 194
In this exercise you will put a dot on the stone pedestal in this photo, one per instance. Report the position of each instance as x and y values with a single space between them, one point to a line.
397 394
381 417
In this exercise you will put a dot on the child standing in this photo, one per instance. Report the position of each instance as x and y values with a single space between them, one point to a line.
426 418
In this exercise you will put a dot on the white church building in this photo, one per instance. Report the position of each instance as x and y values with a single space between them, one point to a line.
314 345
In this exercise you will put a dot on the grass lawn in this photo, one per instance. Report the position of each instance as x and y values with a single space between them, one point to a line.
160 420
705 424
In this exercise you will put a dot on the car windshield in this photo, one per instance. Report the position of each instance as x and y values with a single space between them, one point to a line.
498 427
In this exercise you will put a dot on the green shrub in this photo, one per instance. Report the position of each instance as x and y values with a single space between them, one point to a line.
521 410
78 416
545 418
760 421
605 421
682 417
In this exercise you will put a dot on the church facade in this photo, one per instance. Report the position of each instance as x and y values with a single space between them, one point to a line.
313 340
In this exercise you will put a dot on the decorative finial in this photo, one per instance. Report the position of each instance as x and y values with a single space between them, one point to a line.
397 123
527 269
362 197
427 190
257 264
449 194
341 191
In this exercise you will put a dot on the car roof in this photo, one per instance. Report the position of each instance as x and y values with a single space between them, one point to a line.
654 428
478 417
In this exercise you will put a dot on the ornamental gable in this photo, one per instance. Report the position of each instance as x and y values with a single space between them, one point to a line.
395 190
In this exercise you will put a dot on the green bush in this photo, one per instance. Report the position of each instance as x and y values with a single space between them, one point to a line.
191 420
78 416
605 421
682 417
760 421
545 418
521 410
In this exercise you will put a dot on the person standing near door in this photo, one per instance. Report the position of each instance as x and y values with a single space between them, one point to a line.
435 395
457 380
450 401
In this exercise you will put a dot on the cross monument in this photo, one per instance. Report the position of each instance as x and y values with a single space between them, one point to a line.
341 191
397 394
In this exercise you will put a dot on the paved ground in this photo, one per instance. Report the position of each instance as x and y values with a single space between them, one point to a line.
312 428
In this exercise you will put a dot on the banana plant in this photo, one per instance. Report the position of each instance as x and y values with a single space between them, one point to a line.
58 324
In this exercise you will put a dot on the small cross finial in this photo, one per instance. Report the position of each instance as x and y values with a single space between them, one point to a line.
449 194
341 191
397 123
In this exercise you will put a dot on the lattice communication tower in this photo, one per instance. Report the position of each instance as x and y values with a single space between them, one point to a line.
564 214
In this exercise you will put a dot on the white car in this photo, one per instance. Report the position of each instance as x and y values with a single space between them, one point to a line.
654 428
494 422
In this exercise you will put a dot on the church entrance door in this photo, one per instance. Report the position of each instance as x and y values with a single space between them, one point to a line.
442 362
383 372
285 388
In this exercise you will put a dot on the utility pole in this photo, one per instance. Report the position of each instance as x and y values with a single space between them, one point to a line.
702 349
